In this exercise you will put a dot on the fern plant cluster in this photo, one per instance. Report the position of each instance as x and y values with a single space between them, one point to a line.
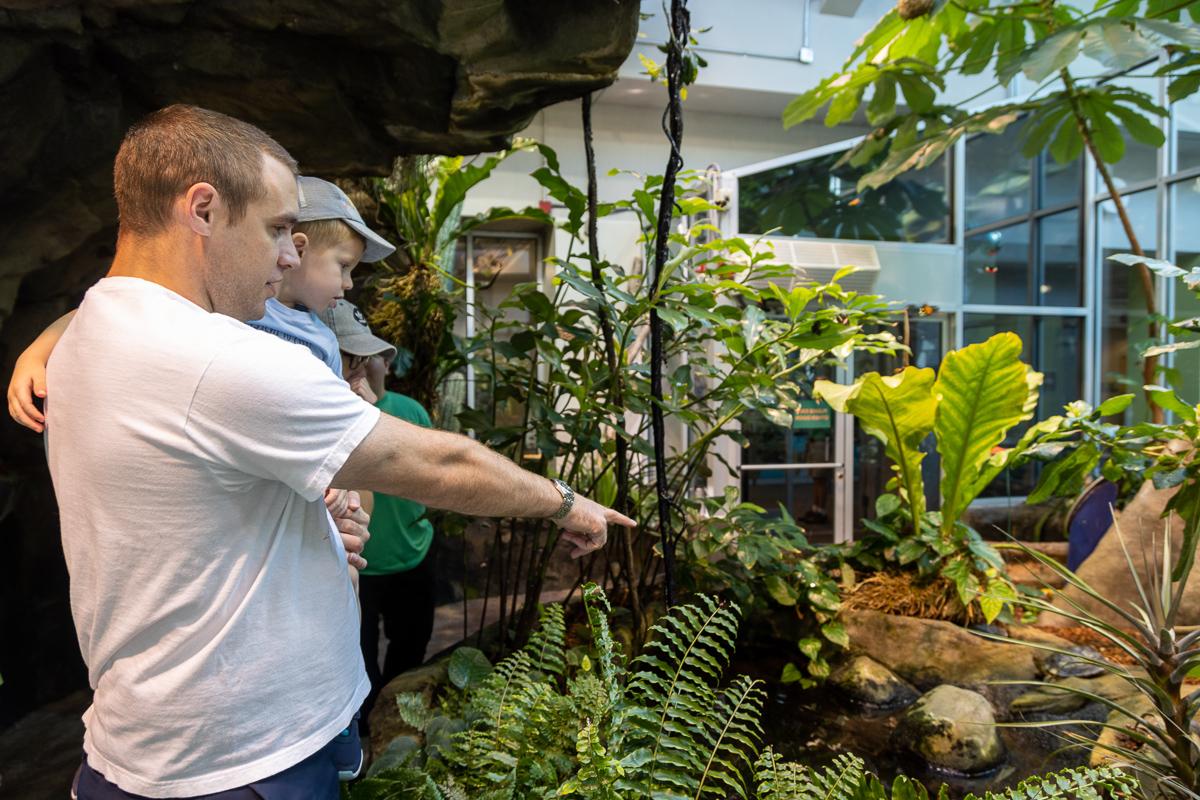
541 724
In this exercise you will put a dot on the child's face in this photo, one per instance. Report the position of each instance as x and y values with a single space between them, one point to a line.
324 275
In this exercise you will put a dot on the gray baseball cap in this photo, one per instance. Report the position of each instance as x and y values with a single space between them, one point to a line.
353 334
323 200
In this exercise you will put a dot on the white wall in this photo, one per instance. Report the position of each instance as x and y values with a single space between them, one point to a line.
630 138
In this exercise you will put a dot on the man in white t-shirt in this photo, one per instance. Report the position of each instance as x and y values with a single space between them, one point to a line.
190 454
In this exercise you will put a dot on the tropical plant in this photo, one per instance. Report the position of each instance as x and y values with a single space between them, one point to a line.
661 727
1158 742
970 405
1081 441
576 367
916 47
847 779
664 729
412 301
764 562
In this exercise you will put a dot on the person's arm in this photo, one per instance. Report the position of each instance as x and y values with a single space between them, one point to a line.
29 376
450 471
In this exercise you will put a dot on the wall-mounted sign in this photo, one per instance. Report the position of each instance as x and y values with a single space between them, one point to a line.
812 415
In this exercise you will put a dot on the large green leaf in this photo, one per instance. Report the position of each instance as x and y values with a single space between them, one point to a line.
982 391
899 411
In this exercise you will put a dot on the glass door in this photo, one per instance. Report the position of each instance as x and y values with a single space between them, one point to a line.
802 468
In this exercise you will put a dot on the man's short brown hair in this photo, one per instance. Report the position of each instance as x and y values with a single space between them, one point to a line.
178 146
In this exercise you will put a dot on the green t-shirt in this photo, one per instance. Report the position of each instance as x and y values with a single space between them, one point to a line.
400 534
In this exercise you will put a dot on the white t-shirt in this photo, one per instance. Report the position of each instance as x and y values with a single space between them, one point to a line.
190 454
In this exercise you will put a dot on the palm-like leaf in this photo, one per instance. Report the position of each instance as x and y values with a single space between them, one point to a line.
899 411
983 390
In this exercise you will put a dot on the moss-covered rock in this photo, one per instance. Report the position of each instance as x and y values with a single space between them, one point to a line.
866 681
953 728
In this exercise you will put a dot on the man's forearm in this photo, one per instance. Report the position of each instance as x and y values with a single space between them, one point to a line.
446 470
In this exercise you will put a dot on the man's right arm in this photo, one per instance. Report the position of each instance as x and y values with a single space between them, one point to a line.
450 471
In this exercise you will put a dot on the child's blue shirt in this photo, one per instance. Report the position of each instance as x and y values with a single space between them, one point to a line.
301 326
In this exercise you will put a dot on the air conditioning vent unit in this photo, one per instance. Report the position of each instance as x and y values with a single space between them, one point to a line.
820 259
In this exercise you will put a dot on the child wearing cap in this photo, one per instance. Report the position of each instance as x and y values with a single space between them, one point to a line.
397 585
332 240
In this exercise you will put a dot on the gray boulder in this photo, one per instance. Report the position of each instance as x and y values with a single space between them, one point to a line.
954 729
866 681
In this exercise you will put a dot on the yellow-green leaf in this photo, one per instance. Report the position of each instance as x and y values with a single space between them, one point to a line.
982 391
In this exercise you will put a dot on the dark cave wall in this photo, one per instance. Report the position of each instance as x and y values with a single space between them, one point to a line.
345 85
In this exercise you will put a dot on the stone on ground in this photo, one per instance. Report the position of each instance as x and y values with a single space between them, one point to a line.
866 681
953 728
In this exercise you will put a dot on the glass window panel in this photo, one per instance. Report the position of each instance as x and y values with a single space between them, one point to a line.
998 178
815 199
998 269
1061 183
807 494
1140 163
1059 357
1187 133
1060 257
1123 317
500 263
1185 244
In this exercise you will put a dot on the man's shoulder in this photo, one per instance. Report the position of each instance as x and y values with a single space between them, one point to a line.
134 318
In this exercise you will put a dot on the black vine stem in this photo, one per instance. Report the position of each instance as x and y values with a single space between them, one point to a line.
680 25
623 543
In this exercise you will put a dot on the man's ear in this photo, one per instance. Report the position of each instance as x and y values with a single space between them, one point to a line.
300 241
200 205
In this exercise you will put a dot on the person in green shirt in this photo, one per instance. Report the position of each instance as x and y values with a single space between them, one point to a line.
396 588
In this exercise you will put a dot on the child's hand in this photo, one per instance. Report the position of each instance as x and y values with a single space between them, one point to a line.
28 381
361 387
346 509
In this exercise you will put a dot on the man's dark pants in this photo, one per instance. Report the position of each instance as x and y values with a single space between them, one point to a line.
314 778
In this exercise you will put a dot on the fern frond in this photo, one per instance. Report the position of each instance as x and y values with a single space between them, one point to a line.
785 780
732 735
609 667
400 783
1084 783
547 644
413 711
670 696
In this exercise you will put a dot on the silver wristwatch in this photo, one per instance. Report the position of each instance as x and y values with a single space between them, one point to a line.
568 499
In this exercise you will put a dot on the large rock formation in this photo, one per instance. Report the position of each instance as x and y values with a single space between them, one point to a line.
927 652
346 85
1136 537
